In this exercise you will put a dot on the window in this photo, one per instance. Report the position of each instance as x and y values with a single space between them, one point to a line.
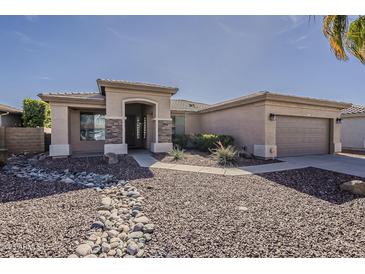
92 127
178 125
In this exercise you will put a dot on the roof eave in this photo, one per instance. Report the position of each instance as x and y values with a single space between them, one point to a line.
267 96
63 99
235 103
133 86
349 115
305 100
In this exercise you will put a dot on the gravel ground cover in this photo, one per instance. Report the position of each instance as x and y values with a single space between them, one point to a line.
43 219
126 169
296 213
198 158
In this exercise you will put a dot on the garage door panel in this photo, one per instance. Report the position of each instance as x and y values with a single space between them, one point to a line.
301 136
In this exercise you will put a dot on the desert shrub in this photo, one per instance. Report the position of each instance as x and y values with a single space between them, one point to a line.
36 113
225 155
177 153
207 141
181 140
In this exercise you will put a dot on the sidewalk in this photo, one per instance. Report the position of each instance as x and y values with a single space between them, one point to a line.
144 159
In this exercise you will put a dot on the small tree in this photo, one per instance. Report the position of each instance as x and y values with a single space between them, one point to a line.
36 113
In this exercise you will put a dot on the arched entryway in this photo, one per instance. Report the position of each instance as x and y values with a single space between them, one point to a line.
140 129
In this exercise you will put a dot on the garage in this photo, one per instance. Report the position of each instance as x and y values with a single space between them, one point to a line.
302 136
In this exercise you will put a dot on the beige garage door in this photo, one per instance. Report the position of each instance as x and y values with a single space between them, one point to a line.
302 136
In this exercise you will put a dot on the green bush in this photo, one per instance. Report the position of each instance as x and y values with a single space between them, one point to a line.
36 113
177 153
207 141
181 140
225 155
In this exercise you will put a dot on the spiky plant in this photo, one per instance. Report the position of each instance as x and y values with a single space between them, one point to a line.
177 153
345 36
224 155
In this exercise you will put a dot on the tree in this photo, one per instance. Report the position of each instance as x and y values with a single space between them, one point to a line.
36 113
345 37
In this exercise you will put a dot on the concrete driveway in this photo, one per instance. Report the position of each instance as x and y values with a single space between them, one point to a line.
344 163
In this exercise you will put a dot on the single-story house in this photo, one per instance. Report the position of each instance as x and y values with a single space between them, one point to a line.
353 128
124 115
10 116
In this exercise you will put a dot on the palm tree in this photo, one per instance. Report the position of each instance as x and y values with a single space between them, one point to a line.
344 36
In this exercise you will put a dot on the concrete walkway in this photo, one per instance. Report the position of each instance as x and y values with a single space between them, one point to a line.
144 159
343 163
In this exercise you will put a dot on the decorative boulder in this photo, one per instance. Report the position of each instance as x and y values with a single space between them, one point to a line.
112 158
355 187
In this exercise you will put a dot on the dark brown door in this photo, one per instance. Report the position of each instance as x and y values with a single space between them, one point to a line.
130 130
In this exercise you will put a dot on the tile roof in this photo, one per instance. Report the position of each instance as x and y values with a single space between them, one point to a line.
185 105
5 108
268 95
354 109
73 94
141 84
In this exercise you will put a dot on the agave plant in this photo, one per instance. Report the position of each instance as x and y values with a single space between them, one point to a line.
224 155
345 36
177 153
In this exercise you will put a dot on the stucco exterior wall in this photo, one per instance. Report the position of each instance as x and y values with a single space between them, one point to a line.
61 126
353 132
244 123
78 146
192 123
114 98
302 110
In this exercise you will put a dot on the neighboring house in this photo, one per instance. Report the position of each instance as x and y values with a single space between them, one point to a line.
353 128
125 115
10 117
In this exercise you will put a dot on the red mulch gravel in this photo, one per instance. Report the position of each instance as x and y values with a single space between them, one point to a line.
43 219
198 158
296 213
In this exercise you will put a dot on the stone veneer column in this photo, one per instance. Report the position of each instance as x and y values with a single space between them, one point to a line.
113 131
114 137
164 131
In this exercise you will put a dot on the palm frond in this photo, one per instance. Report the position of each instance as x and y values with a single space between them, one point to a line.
334 29
355 38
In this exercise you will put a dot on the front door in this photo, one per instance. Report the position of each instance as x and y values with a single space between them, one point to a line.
135 131
130 128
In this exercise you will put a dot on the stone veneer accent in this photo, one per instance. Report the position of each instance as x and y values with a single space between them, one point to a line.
164 131
113 131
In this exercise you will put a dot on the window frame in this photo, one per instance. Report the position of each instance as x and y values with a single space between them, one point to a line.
101 129
174 127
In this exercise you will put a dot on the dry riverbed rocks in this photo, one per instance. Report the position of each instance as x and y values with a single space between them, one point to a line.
26 168
121 228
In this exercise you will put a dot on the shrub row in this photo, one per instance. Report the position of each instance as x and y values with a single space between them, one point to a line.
202 141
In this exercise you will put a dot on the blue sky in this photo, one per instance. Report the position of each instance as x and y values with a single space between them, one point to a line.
210 58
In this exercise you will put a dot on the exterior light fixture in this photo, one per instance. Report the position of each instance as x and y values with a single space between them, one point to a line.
272 117
338 120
